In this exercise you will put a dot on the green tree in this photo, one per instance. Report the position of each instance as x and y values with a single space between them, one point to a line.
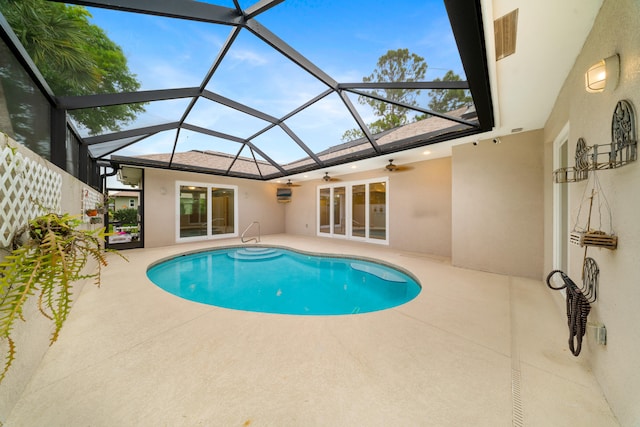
395 66
75 57
445 100
402 66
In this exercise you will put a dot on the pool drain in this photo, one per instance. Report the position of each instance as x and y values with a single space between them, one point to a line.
517 413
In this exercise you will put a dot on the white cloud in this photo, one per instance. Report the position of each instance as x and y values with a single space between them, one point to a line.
164 74
159 143
250 57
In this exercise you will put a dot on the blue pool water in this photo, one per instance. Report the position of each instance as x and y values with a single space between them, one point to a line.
276 280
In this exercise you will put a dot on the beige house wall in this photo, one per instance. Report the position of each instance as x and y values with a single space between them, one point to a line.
498 205
256 202
616 365
419 211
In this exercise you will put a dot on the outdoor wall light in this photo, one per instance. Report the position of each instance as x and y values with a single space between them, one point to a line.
603 75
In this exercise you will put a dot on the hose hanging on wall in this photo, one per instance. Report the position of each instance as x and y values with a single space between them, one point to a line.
578 305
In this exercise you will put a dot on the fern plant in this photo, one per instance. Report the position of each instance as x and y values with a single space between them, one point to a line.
48 256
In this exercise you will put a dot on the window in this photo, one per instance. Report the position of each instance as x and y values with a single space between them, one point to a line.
132 203
355 210
206 211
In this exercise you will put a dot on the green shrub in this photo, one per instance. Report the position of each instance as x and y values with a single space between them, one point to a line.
126 216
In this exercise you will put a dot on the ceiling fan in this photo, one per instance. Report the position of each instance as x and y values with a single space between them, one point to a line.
327 178
291 184
395 168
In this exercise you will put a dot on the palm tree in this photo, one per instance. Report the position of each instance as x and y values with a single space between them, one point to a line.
74 56
55 37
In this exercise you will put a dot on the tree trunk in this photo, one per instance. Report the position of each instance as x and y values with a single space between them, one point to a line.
5 120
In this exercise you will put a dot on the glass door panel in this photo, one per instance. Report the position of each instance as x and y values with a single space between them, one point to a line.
339 207
377 211
222 210
193 211
325 210
358 210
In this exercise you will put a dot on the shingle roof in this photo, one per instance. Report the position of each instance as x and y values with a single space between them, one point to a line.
222 163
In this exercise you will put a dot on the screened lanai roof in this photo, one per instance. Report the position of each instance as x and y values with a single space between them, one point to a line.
267 89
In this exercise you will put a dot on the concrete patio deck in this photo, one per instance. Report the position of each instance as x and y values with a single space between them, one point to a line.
473 348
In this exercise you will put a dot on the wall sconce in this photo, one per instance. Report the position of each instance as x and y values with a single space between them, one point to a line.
603 75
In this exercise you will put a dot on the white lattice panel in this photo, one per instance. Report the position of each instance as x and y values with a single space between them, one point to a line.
90 200
27 189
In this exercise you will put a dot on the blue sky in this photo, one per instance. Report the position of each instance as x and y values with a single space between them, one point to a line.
344 38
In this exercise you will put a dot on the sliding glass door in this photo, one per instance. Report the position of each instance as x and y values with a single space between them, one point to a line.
206 211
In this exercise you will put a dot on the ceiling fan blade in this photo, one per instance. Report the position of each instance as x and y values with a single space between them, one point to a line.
391 167
327 178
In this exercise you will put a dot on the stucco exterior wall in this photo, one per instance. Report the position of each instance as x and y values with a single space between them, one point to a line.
256 202
419 211
498 205
421 208
616 365
32 336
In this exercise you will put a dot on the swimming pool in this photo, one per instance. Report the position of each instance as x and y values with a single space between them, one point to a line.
280 280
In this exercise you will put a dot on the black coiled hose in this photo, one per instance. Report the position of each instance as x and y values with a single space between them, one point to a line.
578 308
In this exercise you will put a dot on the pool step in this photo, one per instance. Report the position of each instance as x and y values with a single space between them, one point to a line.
252 253
382 273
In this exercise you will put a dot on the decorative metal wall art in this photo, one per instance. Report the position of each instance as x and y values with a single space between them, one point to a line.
624 146
622 150
580 171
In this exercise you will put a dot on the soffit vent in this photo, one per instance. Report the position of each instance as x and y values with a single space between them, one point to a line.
505 29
